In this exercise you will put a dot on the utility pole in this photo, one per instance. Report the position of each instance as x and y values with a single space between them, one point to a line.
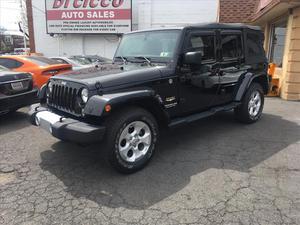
30 25
23 21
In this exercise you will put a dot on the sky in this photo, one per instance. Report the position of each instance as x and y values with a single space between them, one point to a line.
10 14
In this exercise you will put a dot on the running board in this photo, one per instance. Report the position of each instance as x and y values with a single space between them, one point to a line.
198 116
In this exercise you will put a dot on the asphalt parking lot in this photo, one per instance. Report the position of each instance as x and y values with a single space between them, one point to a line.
215 171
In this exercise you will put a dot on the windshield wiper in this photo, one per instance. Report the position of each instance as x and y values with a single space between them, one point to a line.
124 59
147 59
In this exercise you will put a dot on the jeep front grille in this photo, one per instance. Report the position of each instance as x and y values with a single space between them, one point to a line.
65 98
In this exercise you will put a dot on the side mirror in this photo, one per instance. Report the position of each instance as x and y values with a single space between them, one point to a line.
193 58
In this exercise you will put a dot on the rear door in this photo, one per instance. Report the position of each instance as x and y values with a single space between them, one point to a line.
232 65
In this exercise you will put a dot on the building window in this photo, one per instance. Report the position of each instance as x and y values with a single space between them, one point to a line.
278 36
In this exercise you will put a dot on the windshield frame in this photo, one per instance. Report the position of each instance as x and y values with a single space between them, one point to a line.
153 59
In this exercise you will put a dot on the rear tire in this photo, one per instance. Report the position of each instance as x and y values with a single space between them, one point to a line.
131 139
252 105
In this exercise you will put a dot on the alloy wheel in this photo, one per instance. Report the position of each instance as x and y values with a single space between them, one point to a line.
135 141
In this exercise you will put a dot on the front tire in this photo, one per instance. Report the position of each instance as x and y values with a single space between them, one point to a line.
252 105
131 139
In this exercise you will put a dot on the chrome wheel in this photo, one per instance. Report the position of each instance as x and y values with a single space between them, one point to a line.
135 141
254 104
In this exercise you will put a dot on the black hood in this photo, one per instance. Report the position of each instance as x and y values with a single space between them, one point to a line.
113 75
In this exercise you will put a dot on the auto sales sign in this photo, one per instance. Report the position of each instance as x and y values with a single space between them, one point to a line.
88 16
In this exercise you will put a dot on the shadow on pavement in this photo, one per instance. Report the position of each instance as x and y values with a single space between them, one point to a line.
14 121
217 142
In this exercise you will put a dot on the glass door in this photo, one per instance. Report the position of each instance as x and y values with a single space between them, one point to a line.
277 44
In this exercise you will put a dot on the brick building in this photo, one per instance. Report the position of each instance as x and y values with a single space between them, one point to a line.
280 21
237 11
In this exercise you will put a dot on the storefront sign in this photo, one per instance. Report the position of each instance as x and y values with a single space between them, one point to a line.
88 16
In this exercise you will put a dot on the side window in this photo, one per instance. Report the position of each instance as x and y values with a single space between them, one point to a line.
204 44
254 43
10 63
231 46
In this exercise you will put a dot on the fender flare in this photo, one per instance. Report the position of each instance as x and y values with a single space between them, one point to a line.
245 84
96 104
42 95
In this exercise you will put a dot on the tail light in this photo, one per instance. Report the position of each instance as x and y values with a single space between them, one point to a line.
50 72
34 84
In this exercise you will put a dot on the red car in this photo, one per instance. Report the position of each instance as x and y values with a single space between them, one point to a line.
41 68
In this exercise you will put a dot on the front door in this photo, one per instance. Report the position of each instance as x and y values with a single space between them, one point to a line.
198 84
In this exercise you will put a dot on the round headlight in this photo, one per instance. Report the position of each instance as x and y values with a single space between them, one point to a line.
50 86
85 95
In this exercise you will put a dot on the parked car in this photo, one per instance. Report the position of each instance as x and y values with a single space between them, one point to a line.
93 59
76 63
42 68
16 90
164 77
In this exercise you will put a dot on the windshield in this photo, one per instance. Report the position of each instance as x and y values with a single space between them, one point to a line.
155 45
81 60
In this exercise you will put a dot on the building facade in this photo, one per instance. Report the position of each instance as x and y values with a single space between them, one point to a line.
280 21
145 14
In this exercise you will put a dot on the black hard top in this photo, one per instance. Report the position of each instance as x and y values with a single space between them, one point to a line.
208 26
223 26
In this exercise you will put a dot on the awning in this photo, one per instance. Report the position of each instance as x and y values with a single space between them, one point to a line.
271 9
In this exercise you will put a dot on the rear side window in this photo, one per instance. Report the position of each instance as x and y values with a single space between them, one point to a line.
10 63
204 44
231 46
254 45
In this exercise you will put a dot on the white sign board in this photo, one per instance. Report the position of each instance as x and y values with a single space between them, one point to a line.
88 16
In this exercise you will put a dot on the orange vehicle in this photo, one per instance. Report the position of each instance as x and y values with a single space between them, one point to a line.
40 67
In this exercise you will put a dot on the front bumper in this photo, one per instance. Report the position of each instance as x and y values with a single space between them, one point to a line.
12 102
65 129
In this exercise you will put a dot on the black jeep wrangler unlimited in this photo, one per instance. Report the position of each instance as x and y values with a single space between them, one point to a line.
162 77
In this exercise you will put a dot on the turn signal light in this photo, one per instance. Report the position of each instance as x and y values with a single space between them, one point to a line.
107 108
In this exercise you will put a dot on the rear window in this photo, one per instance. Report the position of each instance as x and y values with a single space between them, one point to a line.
42 61
10 63
60 61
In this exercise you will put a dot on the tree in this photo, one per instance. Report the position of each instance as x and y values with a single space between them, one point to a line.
24 19
2 44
